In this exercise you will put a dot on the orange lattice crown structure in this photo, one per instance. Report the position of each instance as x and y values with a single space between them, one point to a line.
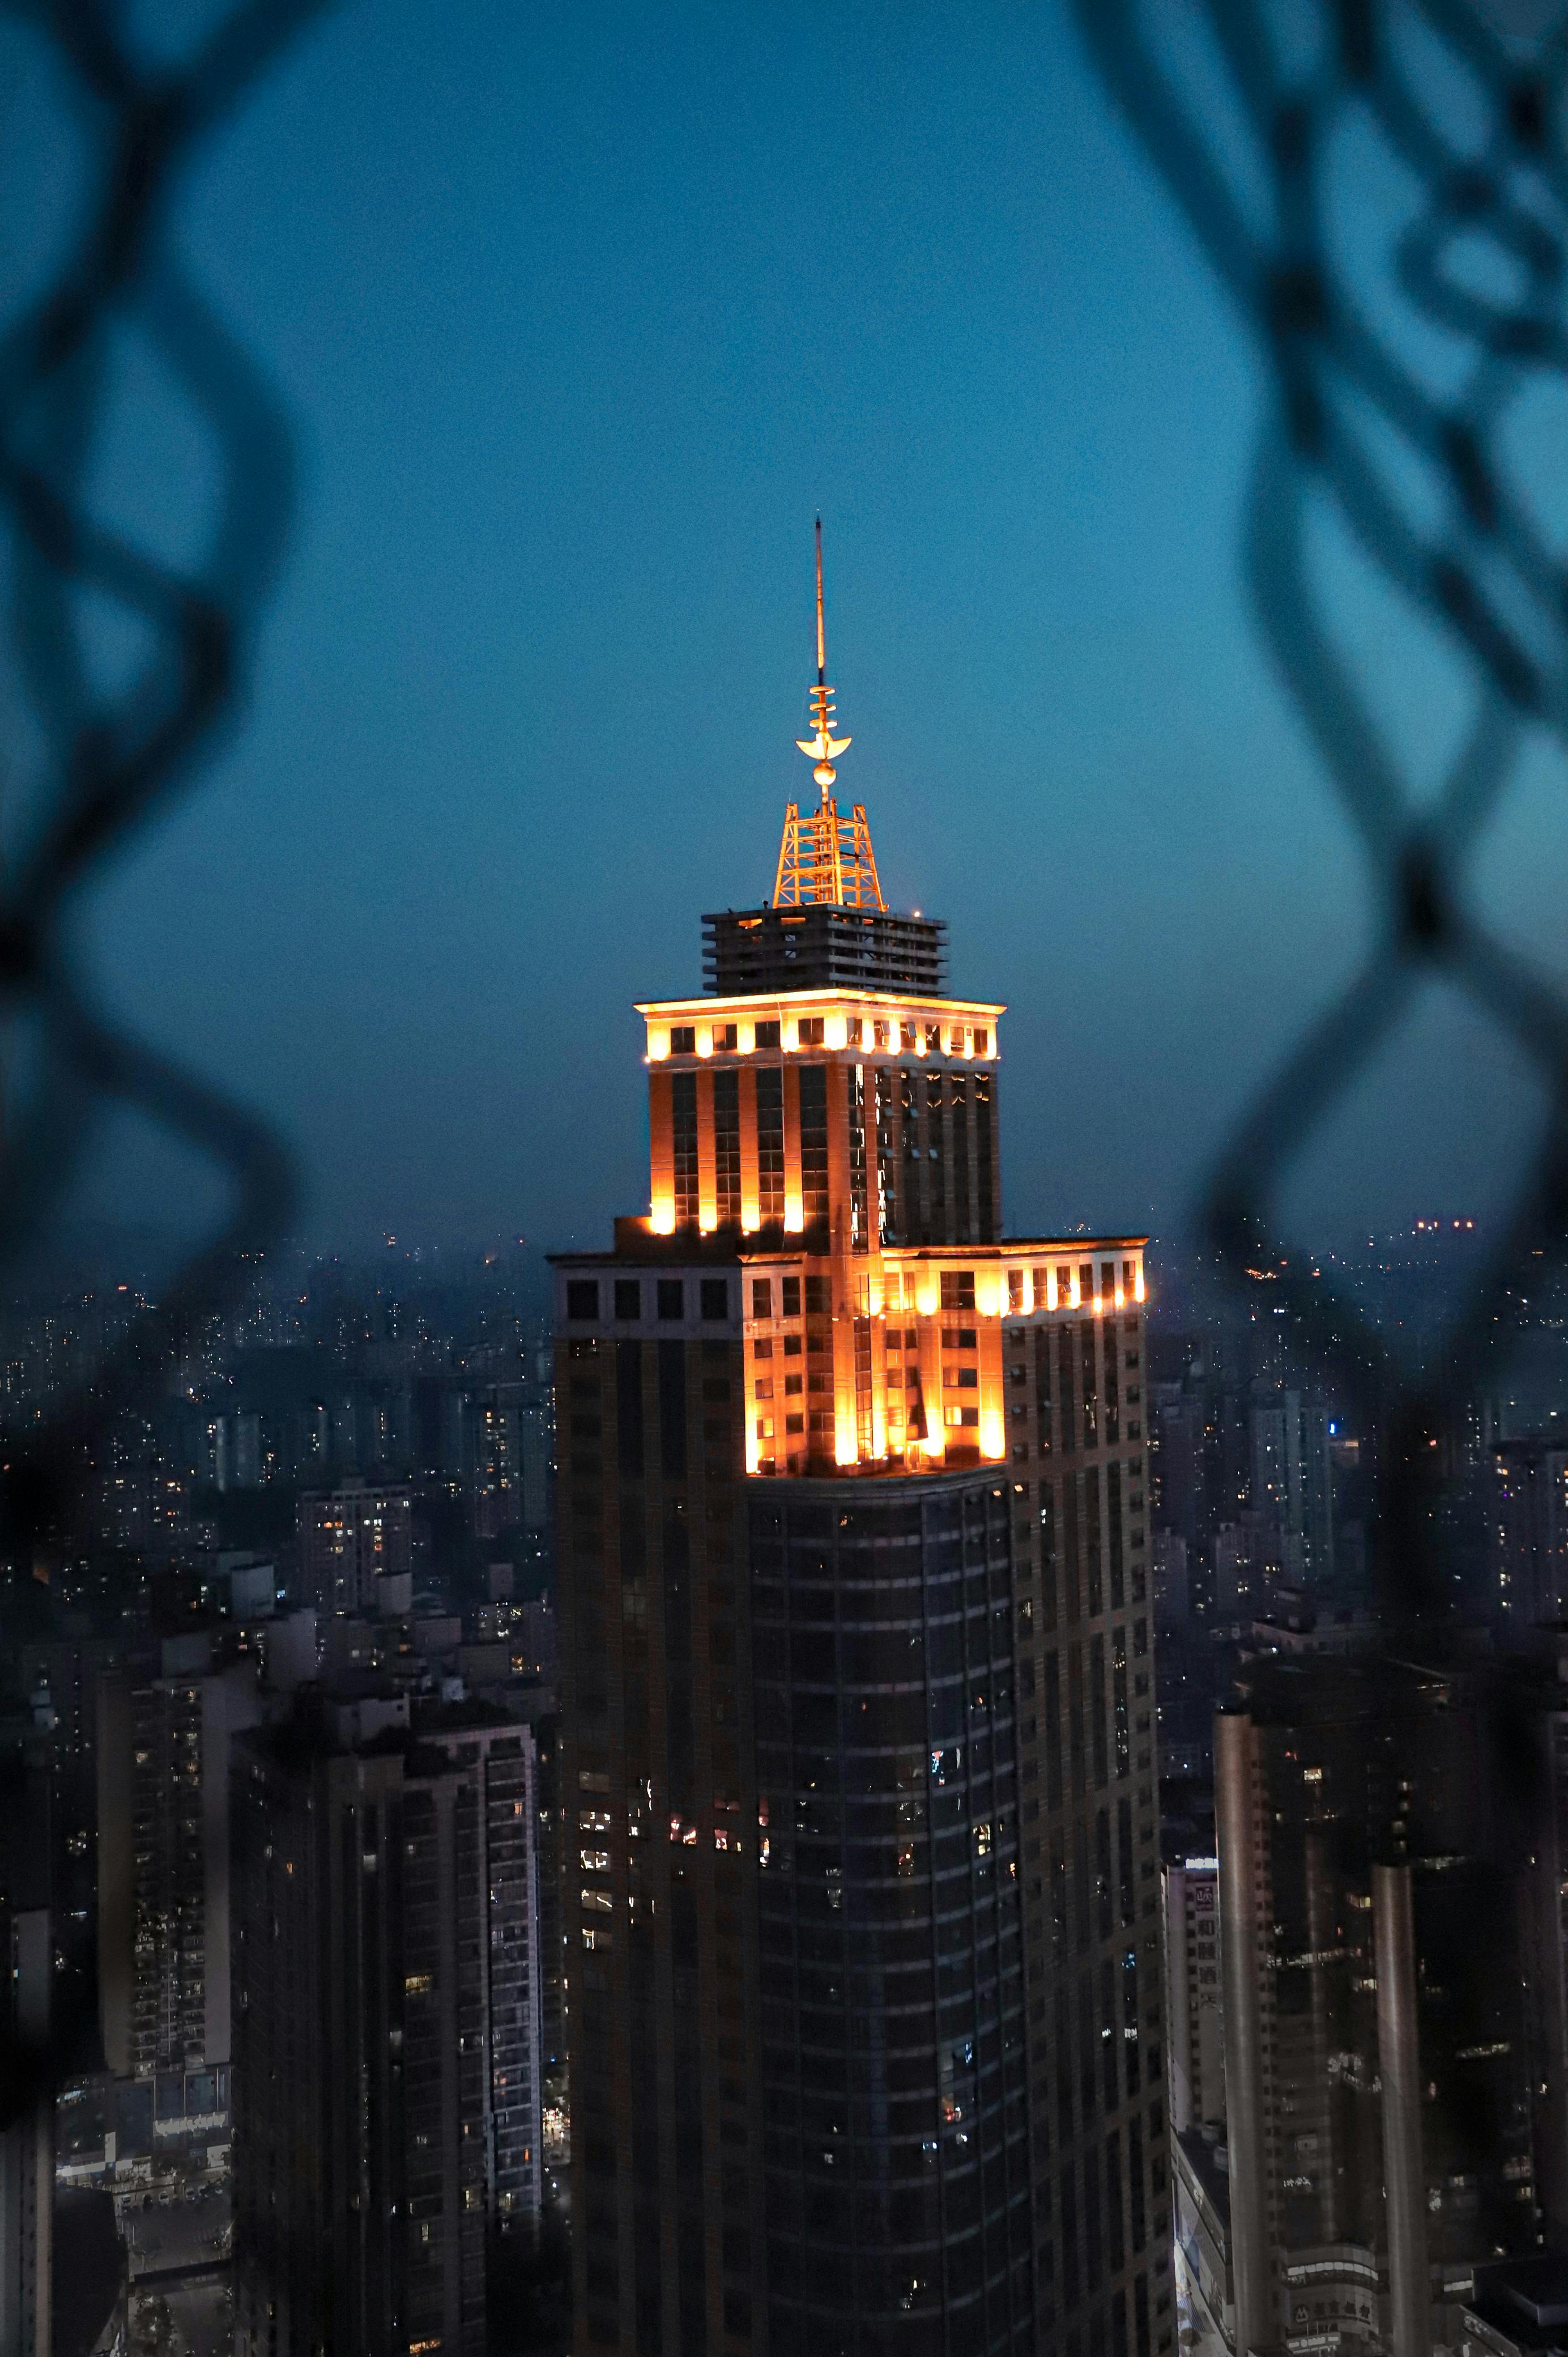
825 857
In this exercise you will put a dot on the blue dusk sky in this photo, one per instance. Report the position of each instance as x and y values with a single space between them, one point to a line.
583 312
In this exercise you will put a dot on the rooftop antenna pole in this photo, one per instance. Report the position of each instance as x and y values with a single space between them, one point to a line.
823 858
823 748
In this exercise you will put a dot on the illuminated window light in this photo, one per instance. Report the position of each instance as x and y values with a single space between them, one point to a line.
657 1044
836 1032
747 1038
1138 1283
704 1038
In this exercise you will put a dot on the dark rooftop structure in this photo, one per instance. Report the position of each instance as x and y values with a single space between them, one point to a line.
819 945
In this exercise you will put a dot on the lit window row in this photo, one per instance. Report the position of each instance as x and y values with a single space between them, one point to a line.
1099 1285
876 1035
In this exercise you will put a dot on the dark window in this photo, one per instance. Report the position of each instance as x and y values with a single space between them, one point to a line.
683 1039
726 1147
818 1297
814 1145
582 1296
673 1411
683 1112
769 1140
671 1298
726 1035
958 1288
715 1296
810 1030
628 1297
791 1297
767 1035
983 1043
761 1296
628 1411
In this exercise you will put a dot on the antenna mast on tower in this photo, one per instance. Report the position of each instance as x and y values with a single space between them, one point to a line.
824 857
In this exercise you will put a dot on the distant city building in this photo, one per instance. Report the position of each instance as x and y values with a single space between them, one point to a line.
388 1975
1376 2133
1291 1483
1172 1592
163 1760
496 1460
1527 1526
26 2022
348 1538
510 1435
1195 2019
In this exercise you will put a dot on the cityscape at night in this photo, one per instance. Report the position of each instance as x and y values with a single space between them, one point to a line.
664 1690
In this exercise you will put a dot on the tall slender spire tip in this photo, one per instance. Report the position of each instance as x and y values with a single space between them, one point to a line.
823 748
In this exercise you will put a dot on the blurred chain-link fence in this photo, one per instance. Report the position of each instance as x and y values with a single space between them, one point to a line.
110 749
1389 397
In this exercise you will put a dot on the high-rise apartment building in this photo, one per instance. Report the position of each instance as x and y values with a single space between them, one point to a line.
1196 2025
387 1977
1377 2139
1292 1485
862 1908
351 1537
163 1761
507 1455
1528 1533
28 1927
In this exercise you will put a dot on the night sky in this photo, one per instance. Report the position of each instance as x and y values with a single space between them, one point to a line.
583 311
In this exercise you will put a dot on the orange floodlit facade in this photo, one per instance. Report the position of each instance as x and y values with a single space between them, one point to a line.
846 1144
843 1145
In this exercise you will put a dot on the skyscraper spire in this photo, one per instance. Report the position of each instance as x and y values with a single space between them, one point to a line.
823 857
823 748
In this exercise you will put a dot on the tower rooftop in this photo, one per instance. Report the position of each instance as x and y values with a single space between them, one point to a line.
828 926
823 946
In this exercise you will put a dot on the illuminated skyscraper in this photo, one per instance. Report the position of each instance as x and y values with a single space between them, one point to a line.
862 1900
